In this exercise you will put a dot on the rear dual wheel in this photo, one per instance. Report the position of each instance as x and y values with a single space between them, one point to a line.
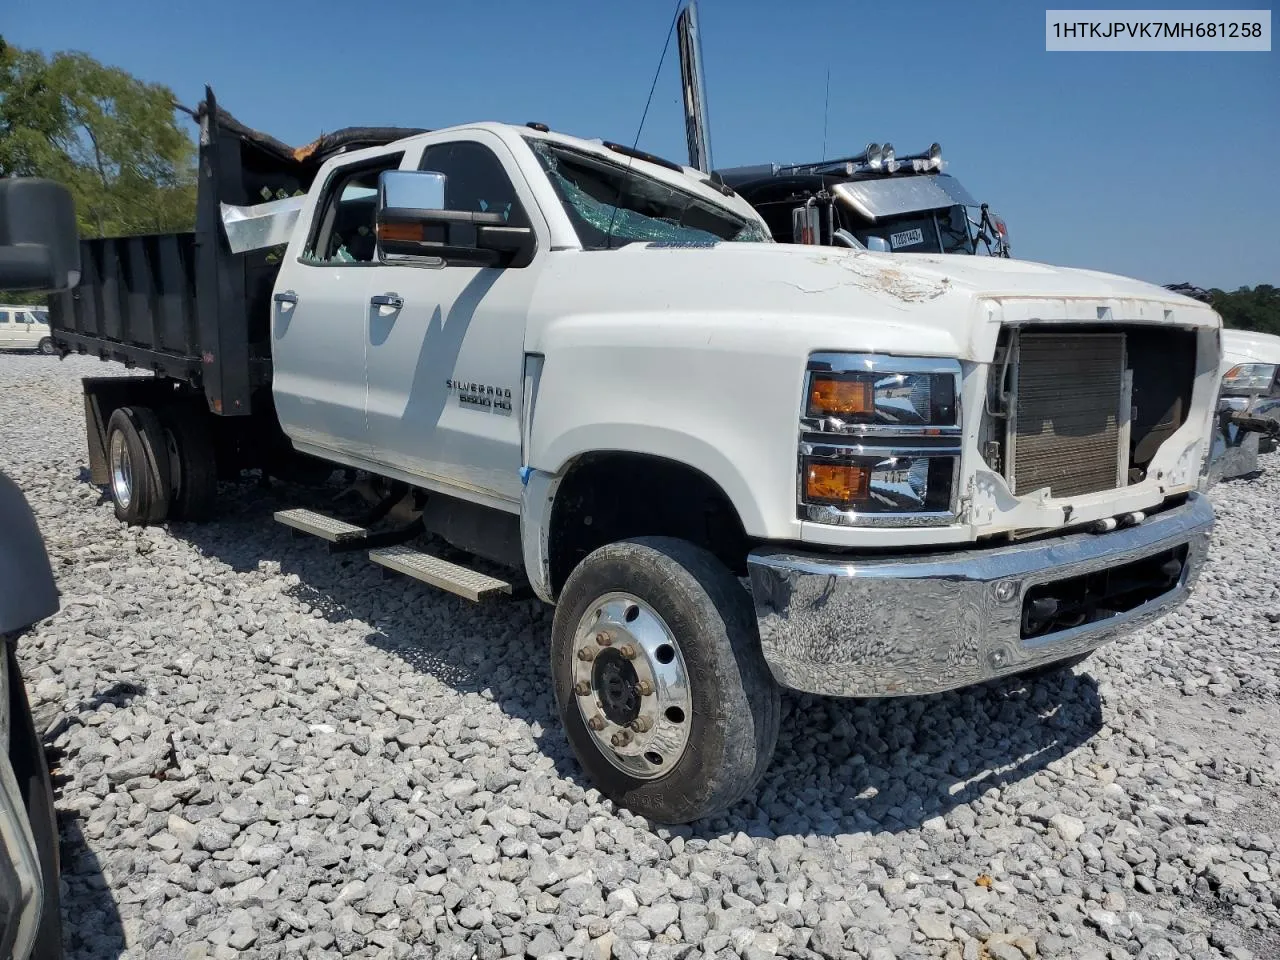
193 465
661 686
138 462
161 465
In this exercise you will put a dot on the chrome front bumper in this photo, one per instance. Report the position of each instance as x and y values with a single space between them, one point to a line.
891 626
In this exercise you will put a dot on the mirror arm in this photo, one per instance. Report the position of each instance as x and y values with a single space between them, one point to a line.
514 245
438 217
473 256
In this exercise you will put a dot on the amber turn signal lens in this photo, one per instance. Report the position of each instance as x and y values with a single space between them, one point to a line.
836 483
400 231
836 397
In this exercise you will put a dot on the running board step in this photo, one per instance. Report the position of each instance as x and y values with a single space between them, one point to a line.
318 525
465 582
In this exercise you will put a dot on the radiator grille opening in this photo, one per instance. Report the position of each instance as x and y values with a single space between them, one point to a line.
1066 429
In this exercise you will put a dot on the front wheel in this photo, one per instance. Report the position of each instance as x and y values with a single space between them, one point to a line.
661 686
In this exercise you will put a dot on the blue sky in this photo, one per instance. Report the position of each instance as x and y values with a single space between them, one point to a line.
1159 165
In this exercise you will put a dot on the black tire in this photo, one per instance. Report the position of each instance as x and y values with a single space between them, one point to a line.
32 774
193 464
46 347
143 442
736 703
1267 445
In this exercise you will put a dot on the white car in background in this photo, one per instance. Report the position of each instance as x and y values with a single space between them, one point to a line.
25 328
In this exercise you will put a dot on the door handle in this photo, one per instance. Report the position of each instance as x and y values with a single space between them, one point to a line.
393 300
286 296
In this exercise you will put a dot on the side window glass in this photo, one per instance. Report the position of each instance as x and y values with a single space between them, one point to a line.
345 230
4 316
477 181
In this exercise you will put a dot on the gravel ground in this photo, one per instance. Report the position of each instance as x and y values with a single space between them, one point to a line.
265 750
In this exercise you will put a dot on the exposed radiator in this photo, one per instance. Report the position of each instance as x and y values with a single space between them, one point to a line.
1067 427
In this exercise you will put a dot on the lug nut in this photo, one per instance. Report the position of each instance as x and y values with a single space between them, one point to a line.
582 688
596 722
620 739
641 724
603 638
644 688
586 653
628 651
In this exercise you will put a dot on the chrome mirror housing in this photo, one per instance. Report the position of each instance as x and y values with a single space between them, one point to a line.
412 190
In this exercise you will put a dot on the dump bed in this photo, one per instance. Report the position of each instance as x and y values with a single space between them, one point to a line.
182 304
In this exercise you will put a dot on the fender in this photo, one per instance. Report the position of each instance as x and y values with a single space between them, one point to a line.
27 589
666 444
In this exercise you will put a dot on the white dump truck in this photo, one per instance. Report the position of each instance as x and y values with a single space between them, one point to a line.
733 465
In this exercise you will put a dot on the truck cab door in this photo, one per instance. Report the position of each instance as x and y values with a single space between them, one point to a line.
446 343
320 311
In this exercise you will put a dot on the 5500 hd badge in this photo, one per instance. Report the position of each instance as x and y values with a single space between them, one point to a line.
480 394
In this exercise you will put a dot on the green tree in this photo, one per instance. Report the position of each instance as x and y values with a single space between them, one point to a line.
115 140
1249 308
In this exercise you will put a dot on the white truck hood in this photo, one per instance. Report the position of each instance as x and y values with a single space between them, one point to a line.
840 299
1248 346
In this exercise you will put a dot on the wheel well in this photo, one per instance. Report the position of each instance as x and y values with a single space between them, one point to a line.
606 497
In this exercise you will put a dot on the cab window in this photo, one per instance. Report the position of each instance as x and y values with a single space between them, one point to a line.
4 316
345 231
477 182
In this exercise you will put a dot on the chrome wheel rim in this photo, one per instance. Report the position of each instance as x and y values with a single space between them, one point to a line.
121 471
631 685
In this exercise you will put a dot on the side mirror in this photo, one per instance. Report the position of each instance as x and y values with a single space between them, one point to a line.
413 223
405 190
39 244
879 244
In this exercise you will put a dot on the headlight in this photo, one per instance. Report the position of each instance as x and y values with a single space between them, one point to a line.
846 393
1249 377
879 440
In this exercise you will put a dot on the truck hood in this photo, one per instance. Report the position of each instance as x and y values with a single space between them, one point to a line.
836 299
1248 346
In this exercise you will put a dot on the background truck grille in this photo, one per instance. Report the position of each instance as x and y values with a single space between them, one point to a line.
1066 432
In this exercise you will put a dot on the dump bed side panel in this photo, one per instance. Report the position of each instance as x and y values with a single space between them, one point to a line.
182 304
135 304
